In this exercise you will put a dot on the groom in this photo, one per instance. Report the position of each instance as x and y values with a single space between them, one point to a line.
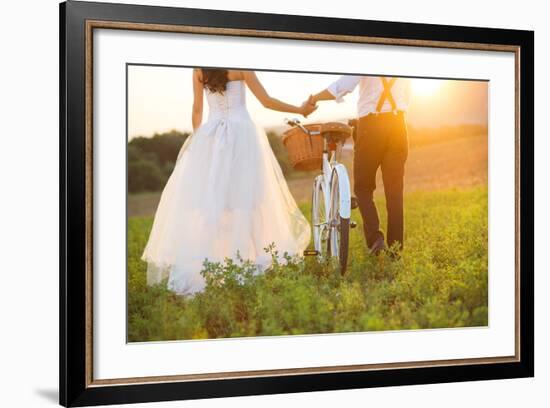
381 142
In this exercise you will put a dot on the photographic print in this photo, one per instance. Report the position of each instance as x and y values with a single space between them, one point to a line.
271 203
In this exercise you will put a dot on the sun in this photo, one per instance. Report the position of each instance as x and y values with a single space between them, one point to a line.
426 87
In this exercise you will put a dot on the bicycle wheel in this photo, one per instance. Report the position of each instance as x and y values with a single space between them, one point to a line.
338 227
319 217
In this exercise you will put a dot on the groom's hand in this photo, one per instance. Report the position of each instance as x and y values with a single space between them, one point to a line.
308 107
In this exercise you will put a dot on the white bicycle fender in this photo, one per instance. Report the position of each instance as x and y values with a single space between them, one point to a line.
345 190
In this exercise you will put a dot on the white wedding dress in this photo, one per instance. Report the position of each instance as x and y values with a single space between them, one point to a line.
227 194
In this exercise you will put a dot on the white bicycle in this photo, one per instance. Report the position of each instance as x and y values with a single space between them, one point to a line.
331 198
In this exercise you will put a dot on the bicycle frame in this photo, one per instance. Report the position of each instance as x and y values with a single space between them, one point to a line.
331 201
331 165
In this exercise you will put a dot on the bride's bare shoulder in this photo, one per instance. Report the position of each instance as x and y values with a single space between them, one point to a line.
236 75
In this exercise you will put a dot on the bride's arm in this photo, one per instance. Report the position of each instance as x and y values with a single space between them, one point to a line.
269 102
196 116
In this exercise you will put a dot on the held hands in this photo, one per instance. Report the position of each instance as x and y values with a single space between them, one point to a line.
308 107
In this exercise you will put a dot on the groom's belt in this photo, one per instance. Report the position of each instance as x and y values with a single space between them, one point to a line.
367 119
383 114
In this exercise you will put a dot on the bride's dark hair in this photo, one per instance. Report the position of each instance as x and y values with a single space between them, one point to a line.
215 80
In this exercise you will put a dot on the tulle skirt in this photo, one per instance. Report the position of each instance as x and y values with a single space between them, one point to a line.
226 195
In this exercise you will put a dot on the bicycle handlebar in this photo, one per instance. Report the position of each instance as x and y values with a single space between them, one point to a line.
296 123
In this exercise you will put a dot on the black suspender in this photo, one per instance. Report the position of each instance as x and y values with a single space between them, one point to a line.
386 94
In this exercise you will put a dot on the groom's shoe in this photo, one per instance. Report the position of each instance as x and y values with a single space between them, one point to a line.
378 246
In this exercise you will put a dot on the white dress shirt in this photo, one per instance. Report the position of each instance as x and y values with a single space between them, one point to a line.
370 90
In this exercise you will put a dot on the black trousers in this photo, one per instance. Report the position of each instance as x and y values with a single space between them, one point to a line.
381 142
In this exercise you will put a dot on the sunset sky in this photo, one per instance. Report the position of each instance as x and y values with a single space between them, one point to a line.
160 99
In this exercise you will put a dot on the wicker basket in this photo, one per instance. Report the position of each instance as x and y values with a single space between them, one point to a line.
305 152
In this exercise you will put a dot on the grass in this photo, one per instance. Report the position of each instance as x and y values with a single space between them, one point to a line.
440 281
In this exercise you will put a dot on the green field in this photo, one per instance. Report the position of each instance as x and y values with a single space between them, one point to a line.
440 281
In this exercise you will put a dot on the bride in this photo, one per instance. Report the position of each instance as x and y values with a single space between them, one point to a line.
227 194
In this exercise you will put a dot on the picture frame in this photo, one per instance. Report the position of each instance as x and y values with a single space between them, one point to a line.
78 20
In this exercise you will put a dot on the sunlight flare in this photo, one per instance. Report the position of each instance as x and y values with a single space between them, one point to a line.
426 87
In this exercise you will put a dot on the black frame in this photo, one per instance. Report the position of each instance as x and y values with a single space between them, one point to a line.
73 390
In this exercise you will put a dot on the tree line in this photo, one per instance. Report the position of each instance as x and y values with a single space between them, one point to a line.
151 160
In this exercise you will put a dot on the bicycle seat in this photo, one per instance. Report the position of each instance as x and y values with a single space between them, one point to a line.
335 132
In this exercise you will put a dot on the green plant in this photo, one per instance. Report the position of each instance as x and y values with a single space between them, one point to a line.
439 281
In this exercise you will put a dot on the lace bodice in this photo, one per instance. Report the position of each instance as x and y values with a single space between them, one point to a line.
229 104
